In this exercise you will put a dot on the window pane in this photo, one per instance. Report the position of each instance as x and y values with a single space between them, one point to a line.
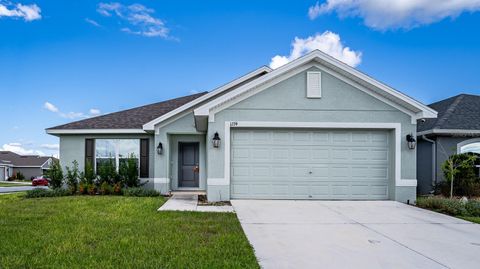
473 147
127 147
116 151
104 161
104 148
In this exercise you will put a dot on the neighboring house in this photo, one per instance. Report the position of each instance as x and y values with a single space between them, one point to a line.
314 128
29 165
456 130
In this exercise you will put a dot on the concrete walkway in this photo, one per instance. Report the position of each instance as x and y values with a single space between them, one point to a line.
189 202
361 234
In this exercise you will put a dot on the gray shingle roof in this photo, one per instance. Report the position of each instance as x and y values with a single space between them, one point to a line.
460 112
133 118
8 157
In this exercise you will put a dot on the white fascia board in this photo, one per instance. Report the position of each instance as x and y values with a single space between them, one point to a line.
319 56
449 131
95 131
150 126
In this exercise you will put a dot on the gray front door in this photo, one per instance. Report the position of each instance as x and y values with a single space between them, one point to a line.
188 166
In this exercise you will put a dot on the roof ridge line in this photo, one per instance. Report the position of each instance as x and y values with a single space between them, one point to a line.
449 111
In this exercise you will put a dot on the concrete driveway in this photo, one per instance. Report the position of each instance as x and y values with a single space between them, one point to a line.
346 234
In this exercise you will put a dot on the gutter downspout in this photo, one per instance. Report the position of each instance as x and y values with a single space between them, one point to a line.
434 159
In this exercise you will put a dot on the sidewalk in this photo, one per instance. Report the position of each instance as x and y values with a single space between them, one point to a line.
189 202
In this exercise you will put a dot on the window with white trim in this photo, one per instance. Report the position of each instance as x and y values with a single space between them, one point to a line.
116 151
314 84
472 147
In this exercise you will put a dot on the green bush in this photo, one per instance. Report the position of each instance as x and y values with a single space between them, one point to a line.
105 188
72 177
473 208
55 174
128 172
37 193
466 182
140 192
443 205
107 172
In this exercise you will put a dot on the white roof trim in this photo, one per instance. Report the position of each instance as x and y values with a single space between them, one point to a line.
449 131
95 131
423 110
150 126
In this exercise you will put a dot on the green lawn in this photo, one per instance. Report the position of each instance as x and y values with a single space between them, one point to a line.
116 232
8 184
472 219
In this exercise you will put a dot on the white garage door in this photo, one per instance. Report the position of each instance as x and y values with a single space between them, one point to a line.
310 164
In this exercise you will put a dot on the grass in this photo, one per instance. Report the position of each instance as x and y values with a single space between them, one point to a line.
469 211
116 232
472 219
8 184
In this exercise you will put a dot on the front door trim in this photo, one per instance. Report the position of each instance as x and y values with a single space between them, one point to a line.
194 176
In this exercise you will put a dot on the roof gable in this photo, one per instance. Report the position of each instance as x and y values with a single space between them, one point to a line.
325 63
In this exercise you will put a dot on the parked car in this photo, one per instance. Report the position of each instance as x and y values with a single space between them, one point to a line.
40 181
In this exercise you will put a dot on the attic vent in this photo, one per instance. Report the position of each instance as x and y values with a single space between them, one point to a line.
314 84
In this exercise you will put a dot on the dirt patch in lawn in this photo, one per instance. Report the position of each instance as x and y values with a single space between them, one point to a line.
202 200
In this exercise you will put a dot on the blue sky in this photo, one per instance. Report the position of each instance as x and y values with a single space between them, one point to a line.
66 60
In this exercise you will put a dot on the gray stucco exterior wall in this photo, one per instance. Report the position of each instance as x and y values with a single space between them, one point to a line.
72 148
286 102
445 146
181 128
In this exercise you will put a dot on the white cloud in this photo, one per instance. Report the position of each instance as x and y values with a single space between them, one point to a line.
394 14
136 19
20 149
49 106
92 22
26 12
70 115
94 111
327 42
50 146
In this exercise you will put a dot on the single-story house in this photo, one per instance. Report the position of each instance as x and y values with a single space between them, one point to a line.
314 128
28 165
456 130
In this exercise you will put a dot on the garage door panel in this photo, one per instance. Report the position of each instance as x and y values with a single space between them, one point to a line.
309 164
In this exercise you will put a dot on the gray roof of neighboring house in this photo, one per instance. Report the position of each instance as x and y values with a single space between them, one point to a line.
11 158
133 118
461 112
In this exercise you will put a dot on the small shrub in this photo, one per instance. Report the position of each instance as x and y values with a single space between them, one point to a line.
473 208
55 174
105 188
19 176
443 205
91 189
107 172
83 188
72 177
88 175
37 193
128 172
117 188
140 192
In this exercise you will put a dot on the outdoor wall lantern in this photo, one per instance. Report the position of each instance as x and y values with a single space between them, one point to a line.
160 148
411 141
216 140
